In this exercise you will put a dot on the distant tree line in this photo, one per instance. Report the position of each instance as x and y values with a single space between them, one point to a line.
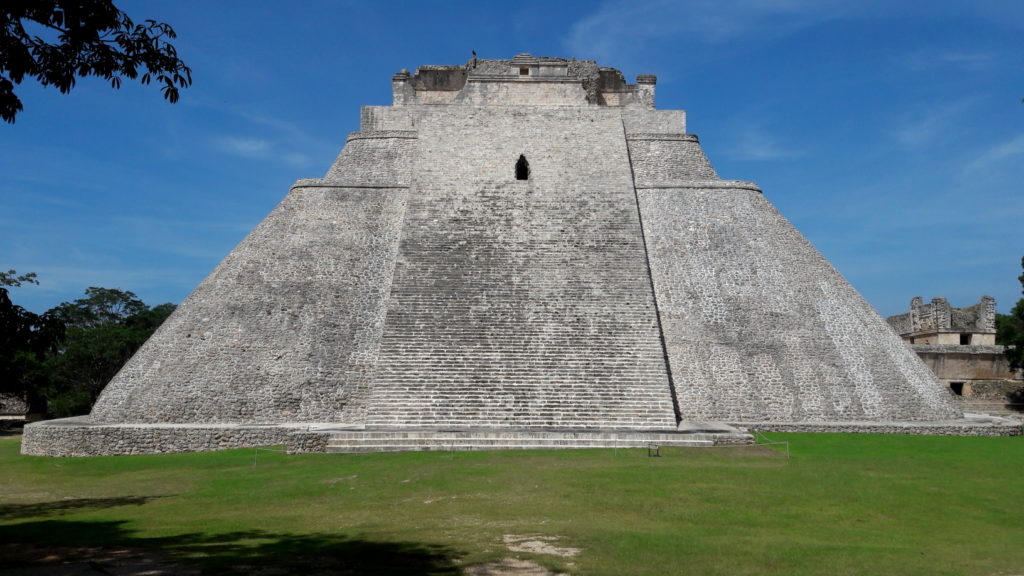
1010 330
58 362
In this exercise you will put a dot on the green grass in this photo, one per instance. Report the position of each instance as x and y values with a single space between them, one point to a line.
842 504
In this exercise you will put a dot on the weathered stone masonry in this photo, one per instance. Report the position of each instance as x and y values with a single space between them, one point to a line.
420 285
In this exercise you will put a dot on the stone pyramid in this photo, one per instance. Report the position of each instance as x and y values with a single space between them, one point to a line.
513 245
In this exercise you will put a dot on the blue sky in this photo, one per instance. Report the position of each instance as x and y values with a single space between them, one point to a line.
890 133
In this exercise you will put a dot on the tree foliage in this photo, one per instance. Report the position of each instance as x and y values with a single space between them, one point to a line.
26 341
57 41
1010 330
12 278
60 361
103 330
100 306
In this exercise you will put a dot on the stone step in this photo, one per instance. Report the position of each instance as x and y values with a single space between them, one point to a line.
510 442
528 424
992 407
522 435
343 442
536 413
349 449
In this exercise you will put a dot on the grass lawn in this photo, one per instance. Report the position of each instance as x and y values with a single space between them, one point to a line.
842 504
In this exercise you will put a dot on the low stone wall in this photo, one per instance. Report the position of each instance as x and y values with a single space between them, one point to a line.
1001 427
79 437
308 442
966 363
13 405
997 390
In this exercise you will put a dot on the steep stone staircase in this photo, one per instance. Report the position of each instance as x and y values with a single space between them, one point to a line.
521 304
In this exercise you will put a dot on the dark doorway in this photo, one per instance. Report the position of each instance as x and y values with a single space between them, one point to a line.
965 339
957 388
522 168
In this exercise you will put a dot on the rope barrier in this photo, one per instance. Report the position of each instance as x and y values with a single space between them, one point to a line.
762 440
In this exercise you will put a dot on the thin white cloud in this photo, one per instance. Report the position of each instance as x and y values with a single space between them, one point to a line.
245 147
284 129
190 225
619 29
622 25
259 148
296 159
928 59
756 143
970 59
279 140
60 278
287 128
47 199
925 126
988 160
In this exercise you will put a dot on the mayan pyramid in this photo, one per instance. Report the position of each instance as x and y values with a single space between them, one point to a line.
513 245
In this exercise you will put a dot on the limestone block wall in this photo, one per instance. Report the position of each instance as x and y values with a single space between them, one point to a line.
434 97
938 323
381 158
663 159
78 437
524 92
666 122
385 118
1010 391
286 328
523 81
939 339
980 317
521 303
13 404
901 323
934 316
758 325
965 363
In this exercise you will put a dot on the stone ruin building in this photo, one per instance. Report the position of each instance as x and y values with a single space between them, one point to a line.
514 253
959 346
938 323
13 409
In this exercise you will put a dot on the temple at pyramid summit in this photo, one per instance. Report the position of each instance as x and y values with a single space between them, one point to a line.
515 253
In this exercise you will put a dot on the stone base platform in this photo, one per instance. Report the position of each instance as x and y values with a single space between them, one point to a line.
81 437
451 440
971 424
